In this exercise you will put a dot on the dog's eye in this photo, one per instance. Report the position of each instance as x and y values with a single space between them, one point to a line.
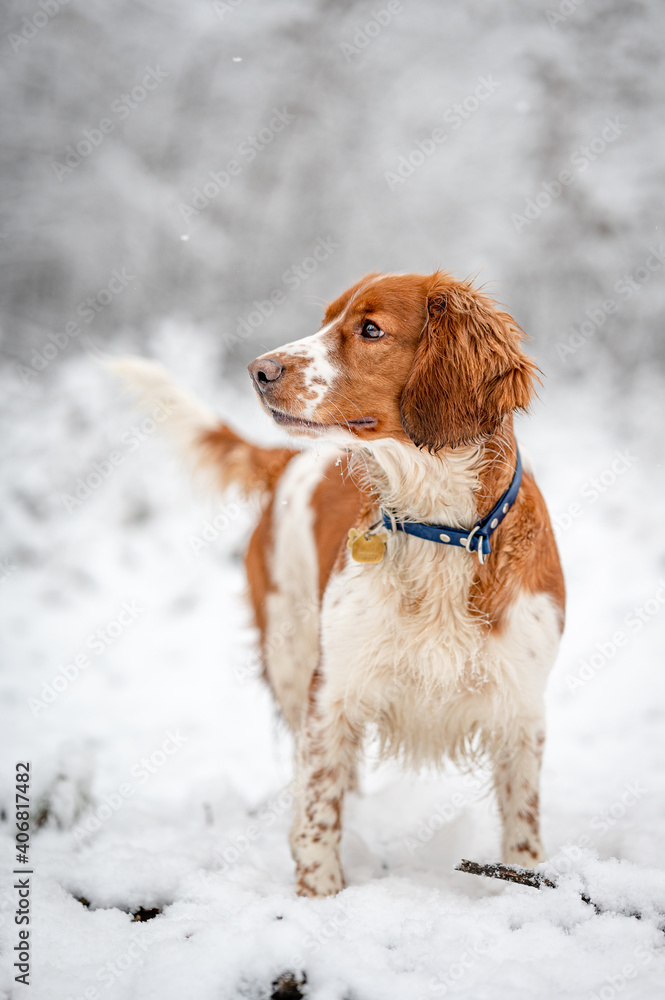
371 331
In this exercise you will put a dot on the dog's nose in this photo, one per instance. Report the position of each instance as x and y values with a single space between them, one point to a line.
264 371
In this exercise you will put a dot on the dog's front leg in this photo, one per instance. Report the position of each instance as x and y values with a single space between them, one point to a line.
516 778
327 747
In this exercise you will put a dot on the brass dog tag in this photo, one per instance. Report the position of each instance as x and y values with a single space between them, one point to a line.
366 548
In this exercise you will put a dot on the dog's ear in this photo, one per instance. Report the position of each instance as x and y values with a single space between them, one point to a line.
469 370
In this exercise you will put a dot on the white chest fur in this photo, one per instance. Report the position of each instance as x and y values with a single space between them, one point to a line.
407 657
402 650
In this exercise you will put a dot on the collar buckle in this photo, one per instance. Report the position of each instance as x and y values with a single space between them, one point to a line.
479 544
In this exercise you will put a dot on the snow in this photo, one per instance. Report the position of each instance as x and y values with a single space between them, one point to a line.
168 778
548 91
129 677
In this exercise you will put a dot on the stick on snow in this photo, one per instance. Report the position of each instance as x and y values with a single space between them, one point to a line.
523 876
527 876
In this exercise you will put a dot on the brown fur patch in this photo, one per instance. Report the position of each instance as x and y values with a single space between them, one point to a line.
238 462
339 504
469 370
271 464
524 554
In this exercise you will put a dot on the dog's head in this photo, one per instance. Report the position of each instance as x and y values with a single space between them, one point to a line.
425 359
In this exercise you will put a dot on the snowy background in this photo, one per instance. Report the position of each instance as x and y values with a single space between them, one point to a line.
161 778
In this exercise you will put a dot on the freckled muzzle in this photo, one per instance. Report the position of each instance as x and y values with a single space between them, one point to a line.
296 385
281 389
264 373
285 381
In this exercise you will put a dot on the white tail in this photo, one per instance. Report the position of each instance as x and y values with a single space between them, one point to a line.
182 418
206 444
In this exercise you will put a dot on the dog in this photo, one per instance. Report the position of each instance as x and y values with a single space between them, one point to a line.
407 563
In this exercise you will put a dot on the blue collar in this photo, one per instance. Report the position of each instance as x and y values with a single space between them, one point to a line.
476 540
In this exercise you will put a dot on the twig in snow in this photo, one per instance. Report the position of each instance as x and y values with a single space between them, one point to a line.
525 876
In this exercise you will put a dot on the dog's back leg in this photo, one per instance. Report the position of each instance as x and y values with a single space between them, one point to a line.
283 572
328 746
517 779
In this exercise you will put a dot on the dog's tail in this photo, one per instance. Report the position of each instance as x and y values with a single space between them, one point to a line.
200 438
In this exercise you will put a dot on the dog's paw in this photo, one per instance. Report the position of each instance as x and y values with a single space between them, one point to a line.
319 878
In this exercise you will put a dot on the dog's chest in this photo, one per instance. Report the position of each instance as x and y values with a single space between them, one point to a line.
400 636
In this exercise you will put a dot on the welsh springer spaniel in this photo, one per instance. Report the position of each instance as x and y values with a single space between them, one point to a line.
432 642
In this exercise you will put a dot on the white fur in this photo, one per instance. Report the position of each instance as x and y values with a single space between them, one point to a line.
319 374
186 419
404 657
417 486
401 648
292 609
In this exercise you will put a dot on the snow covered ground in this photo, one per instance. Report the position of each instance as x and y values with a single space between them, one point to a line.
162 777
